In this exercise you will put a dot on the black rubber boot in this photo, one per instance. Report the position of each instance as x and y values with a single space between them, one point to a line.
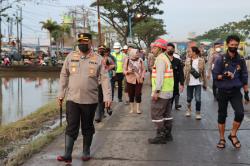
67 157
159 139
169 136
87 140
168 131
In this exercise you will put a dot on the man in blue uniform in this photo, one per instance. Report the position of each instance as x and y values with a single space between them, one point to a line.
230 74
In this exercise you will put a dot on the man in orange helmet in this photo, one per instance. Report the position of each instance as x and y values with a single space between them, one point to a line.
162 93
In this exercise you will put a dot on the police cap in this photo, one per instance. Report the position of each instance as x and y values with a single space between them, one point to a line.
84 37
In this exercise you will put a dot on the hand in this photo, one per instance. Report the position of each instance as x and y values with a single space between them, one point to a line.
208 77
204 87
229 74
181 88
246 96
220 77
108 104
141 80
155 96
60 101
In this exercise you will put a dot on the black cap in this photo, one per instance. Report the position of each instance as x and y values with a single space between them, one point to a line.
84 36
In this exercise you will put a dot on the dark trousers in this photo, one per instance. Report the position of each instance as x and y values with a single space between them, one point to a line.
101 105
77 114
119 78
190 93
176 94
233 96
134 92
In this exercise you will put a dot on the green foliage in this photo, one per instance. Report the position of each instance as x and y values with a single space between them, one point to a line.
116 13
149 29
241 28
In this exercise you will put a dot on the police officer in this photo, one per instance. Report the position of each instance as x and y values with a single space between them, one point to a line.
231 75
162 93
79 78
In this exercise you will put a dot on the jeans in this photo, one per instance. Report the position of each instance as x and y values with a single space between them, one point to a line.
190 92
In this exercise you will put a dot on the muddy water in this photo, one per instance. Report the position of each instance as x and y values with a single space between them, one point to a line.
23 93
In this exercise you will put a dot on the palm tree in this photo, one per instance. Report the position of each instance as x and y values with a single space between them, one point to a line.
50 26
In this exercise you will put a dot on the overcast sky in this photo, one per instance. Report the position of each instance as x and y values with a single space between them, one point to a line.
180 16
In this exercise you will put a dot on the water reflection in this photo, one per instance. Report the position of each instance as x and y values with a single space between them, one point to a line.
22 94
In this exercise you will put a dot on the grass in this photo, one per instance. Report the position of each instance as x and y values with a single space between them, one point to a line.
28 126
34 147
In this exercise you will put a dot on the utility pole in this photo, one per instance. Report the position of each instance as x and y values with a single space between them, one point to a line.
21 31
0 27
17 33
99 23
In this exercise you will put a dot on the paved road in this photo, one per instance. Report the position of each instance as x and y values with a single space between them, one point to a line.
122 140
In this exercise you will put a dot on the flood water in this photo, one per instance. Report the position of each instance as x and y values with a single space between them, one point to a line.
23 93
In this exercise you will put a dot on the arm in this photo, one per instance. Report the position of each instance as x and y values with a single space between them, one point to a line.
204 74
105 82
217 71
210 64
64 79
125 67
244 75
181 73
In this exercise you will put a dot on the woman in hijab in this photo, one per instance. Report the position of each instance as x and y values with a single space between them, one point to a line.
134 71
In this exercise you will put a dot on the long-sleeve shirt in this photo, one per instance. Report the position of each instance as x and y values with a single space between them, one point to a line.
80 76
236 65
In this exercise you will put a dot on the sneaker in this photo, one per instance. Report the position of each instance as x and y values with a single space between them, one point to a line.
157 140
188 113
198 116
177 107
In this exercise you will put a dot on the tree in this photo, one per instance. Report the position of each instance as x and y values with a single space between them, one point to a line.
50 26
241 28
148 30
116 13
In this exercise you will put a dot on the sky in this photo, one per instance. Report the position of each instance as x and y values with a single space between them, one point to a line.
181 17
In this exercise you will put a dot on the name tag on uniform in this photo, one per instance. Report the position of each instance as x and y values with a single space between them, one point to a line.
74 60
92 62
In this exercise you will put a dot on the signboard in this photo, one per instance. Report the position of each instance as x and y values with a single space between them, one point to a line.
67 19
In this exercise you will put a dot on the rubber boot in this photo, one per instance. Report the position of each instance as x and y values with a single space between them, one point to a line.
138 111
159 139
131 108
87 140
169 136
67 157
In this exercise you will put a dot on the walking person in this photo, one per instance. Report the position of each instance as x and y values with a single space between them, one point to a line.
195 78
178 75
119 56
79 80
162 93
231 74
216 52
134 71
109 65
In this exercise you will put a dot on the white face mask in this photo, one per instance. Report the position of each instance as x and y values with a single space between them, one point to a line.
218 50
117 50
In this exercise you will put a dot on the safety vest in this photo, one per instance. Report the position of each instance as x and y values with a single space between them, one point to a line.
119 62
168 82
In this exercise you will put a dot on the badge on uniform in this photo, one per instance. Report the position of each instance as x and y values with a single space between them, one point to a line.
92 71
73 69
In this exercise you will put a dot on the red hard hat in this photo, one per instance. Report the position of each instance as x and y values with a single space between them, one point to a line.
161 43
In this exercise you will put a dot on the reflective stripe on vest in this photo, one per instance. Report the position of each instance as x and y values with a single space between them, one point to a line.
168 82
119 62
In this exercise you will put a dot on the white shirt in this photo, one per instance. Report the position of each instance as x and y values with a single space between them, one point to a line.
177 56
195 81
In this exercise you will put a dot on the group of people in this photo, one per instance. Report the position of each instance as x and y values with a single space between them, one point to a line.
88 78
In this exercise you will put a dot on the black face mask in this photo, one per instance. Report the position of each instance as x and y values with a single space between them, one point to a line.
83 47
102 53
232 49
170 53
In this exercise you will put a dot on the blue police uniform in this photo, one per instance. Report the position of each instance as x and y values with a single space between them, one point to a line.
229 89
